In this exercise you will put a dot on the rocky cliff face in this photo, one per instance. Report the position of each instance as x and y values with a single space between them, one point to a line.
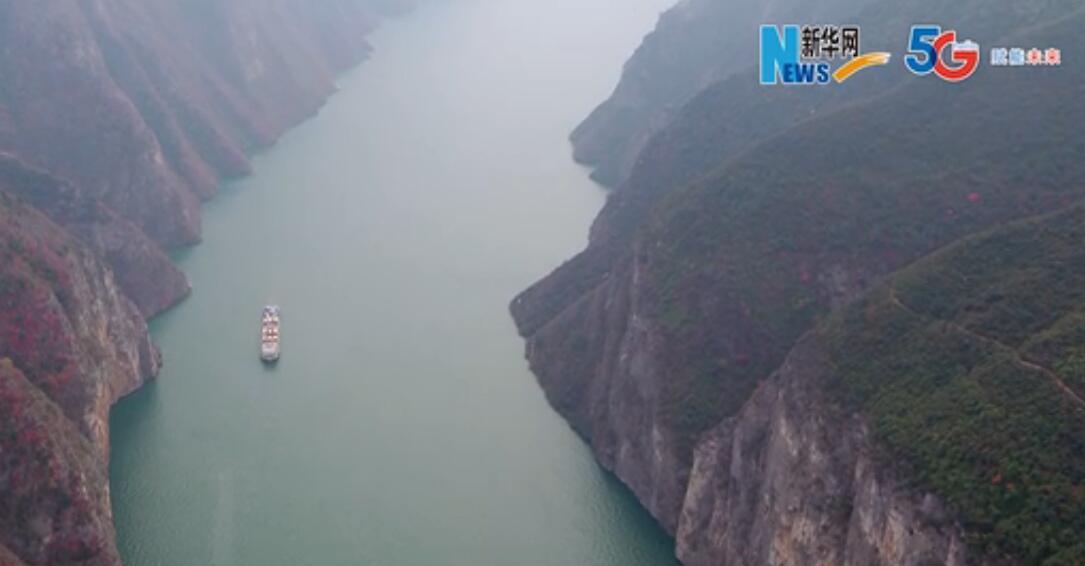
145 106
938 420
72 345
56 510
794 480
600 363
116 118
696 44
141 267
659 340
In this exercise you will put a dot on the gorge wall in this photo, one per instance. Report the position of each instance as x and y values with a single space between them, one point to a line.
750 219
117 118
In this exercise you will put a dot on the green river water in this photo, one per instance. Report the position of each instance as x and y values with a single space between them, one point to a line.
402 426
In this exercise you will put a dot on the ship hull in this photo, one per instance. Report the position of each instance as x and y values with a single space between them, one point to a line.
270 345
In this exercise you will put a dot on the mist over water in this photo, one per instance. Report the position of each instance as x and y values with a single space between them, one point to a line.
402 426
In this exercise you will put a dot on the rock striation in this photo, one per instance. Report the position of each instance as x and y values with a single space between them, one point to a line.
674 342
72 345
117 118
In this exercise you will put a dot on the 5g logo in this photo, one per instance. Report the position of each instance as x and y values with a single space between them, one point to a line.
925 54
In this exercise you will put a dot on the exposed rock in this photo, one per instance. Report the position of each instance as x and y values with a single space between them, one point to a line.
607 335
657 340
696 44
145 105
73 345
792 480
55 506
116 118
142 268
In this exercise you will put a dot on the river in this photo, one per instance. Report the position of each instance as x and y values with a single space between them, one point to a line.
401 426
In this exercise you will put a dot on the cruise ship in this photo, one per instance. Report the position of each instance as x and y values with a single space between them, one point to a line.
269 334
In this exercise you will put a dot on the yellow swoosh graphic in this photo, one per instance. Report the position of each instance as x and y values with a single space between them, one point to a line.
859 63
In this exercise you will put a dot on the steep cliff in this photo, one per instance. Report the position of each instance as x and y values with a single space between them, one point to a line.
145 106
940 418
72 345
116 118
702 60
56 509
695 44
793 479
142 268
657 341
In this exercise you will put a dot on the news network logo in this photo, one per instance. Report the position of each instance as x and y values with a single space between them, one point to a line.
795 55
927 43
804 55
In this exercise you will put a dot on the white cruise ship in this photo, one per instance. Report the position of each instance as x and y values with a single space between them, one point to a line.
269 334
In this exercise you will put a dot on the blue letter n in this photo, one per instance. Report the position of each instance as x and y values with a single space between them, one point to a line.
777 51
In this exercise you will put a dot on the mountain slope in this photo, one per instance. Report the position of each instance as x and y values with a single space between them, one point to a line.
145 106
141 267
695 44
72 345
943 361
699 44
57 478
116 118
666 325
916 424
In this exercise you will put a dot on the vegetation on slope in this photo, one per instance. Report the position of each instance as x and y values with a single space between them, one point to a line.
803 199
51 479
35 288
747 260
941 360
